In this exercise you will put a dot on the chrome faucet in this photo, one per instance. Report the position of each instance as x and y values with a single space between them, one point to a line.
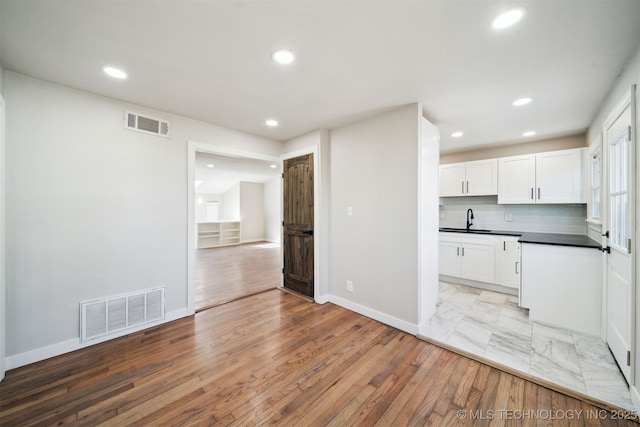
469 218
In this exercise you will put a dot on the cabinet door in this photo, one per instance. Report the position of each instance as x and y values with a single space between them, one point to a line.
508 262
516 179
477 262
559 177
449 263
482 178
452 180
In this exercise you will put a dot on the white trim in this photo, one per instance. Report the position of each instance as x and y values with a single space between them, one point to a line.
627 101
617 110
262 239
403 325
635 397
317 229
68 346
322 299
3 285
192 148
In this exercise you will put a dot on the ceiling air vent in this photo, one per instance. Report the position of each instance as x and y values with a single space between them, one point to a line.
146 124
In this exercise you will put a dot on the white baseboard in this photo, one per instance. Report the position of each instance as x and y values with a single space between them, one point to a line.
68 346
403 325
252 241
635 397
321 299
264 239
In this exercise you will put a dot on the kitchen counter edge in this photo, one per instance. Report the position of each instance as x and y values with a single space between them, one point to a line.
555 239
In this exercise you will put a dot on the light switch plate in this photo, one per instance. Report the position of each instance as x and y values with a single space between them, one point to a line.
349 211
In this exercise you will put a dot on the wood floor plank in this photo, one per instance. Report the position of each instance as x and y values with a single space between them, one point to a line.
274 359
227 273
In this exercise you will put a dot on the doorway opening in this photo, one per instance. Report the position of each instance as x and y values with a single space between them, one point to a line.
234 225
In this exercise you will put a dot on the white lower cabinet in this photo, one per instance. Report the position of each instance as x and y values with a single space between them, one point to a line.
449 258
484 258
508 262
561 286
477 262
468 256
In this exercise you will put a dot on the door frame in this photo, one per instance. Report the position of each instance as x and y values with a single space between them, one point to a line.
3 302
628 100
192 148
318 295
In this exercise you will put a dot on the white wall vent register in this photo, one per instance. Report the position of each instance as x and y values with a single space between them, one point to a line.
105 316
146 124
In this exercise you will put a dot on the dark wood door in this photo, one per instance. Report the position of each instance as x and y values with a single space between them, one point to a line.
297 215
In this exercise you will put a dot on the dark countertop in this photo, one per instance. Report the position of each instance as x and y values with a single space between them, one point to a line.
559 240
576 240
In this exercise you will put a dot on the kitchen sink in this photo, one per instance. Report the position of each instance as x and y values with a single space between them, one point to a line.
464 230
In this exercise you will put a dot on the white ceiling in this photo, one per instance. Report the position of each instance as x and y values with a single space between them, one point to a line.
210 60
228 171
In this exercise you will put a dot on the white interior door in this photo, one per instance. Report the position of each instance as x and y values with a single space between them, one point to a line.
620 212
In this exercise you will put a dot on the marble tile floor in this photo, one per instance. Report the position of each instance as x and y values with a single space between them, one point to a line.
491 325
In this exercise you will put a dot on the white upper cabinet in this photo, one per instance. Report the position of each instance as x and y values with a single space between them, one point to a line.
452 178
559 177
517 179
553 177
478 178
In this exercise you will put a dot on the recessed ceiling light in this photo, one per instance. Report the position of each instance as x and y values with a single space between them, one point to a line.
271 123
529 133
508 18
273 166
283 56
209 165
457 134
520 102
115 72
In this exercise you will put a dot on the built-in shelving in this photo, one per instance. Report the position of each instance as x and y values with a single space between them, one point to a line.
219 233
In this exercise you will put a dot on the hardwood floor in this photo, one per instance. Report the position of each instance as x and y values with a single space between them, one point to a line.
275 359
230 272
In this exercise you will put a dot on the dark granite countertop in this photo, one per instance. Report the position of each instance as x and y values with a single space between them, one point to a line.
536 238
559 240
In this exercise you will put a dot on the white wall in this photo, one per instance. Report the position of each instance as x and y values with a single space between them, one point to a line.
273 210
629 76
428 172
374 170
251 212
201 204
93 210
2 226
497 151
230 210
1 79
2 237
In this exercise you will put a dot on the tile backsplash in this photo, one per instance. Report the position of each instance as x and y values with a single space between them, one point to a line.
563 219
